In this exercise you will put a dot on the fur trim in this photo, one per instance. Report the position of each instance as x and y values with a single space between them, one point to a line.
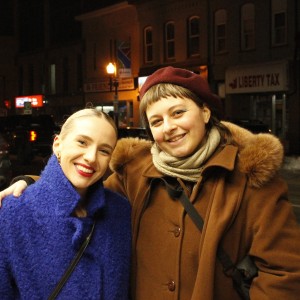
124 153
260 155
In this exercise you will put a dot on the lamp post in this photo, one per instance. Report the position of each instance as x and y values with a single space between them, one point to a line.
111 69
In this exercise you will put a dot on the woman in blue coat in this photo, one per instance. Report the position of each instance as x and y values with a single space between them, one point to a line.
42 233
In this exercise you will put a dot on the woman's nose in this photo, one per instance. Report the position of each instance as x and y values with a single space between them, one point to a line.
90 155
168 126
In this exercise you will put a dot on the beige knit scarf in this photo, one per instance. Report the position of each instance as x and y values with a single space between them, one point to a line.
188 168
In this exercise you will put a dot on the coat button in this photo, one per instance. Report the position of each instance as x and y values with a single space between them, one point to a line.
171 286
177 231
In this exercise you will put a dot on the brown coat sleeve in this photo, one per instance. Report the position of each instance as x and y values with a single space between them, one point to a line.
275 243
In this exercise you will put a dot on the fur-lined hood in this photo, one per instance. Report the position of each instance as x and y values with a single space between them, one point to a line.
260 155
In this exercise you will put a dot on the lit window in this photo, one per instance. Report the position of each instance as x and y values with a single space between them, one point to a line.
193 36
220 31
247 27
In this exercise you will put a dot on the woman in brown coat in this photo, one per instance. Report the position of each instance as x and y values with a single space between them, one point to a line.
231 178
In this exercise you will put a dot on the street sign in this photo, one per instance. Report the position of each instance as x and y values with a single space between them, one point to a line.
27 108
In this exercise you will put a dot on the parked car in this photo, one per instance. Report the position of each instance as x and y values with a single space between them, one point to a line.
28 135
5 164
132 132
254 126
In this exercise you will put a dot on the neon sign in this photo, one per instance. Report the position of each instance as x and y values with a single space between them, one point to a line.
35 100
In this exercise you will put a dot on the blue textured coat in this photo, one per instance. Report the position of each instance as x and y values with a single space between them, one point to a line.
39 238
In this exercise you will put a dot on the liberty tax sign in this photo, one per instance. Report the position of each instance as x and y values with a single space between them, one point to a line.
268 77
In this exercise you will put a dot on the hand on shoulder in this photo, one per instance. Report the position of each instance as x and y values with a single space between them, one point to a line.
15 189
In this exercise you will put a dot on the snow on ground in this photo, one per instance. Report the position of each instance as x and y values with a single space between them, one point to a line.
291 163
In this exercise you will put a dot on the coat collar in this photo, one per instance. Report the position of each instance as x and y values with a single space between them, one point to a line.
225 158
259 156
58 192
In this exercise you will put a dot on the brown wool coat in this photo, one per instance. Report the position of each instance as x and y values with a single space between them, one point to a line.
245 206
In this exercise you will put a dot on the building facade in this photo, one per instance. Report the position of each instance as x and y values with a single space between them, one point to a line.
248 50
8 50
256 62
50 55
111 35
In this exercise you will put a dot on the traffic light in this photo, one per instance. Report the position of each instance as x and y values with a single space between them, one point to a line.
32 135
7 104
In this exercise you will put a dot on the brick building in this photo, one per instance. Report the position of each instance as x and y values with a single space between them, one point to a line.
248 51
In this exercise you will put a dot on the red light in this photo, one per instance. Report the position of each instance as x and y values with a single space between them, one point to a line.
32 136
7 104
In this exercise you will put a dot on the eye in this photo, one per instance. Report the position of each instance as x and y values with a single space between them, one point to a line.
179 112
81 142
106 152
155 123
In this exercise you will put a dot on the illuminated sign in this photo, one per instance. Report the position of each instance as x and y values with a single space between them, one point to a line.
35 100
267 77
103 85
141 81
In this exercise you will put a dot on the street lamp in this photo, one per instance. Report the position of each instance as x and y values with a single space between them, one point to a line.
111 69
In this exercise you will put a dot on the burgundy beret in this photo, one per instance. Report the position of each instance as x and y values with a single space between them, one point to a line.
187 79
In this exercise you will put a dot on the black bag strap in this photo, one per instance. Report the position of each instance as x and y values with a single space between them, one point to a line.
242 273
197 219
72 265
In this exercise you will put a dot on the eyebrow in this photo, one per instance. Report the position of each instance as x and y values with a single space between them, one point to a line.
88 138
169 109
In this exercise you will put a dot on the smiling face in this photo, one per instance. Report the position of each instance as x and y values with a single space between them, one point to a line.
85 150
177 125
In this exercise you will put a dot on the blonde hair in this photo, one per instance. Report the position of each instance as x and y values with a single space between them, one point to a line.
86 112
80 210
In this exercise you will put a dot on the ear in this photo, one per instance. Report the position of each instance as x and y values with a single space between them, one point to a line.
56 145
206 114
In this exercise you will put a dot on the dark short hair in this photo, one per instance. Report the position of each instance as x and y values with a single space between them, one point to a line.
187 79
